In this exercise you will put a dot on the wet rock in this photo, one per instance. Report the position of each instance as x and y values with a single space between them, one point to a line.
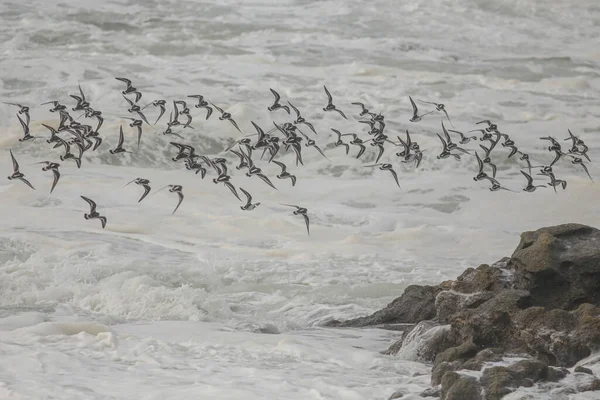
440 369
432 392
425 341
482 278
460 387
583 370
595 385
416 304
556 374
448 303
461 352
559 265
396 395
486 355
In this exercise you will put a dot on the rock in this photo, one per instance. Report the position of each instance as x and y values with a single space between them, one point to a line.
583 370
500 381
440 369
476 363
396 395
483 278
556 374
416 304
448 303
559 266
461 352
489 325
531 369
465 387
424 342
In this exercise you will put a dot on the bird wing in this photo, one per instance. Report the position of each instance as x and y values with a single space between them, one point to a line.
414 106
56 178
266 180
14 162
277 97
24 125
128 101
180 194
307 223
528 177
329 98
91 203
25 181
479 162
443 141
121 137
248 196
127 81
395 176
295 110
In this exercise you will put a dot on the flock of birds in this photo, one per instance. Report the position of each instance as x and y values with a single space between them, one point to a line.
76 138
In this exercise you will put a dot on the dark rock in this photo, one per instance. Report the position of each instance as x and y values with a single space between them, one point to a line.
416 304
559 266
440 369
490 325
583 370
499 381
465 387
556 374
483 278
448 303
476 363
461 352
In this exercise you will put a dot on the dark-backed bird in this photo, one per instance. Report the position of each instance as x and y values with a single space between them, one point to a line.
26 135
386 167
301 211
330 106
416 117
284 174
225 116
276 105
16 173
130 89
93 214
202 104
530 188
145 183
301 120
52 166
119 148
23 110
249 206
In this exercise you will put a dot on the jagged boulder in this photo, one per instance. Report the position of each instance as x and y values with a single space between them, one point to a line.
559 266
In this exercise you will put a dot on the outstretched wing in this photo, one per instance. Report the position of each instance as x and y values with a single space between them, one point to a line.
248 196
91 203
147 189
528 177
295 110
307 223
180 194
329 98
14 162
56 178
277 97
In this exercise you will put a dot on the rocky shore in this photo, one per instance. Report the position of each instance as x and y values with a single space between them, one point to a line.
531 319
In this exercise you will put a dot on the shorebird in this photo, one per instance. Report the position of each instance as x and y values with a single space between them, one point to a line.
56 106
68 155
23 110
276 105
25 126
463 139
356 141
52 166
386 167
530 188
119 148
225 116
579 161
488 160
93 214
202 104
136 123
445 151
184 111
284 174
160 104
134 108
439 107
82 103
145 183
577 143
16 173
249 206
339 141
301 211
174 189
496 185
130 89
416 117
330 106
301 120
364 111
